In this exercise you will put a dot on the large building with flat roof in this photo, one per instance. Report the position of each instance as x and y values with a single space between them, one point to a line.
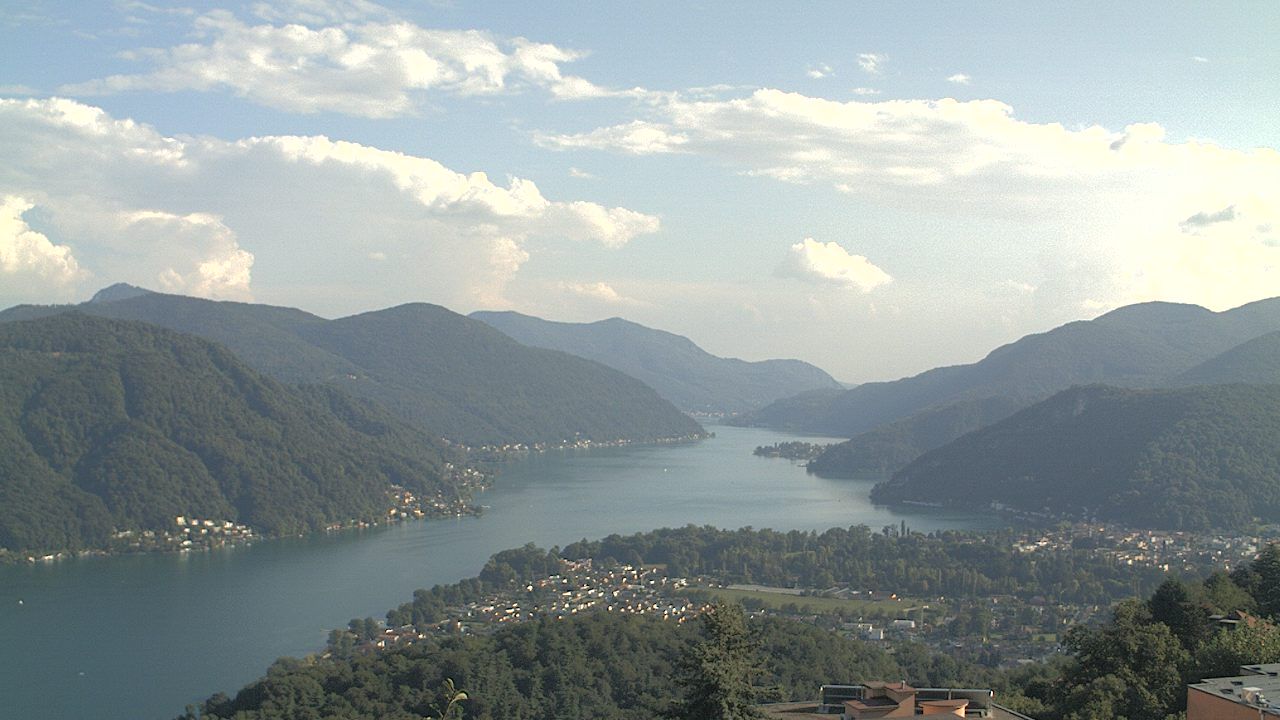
870 699
1254 694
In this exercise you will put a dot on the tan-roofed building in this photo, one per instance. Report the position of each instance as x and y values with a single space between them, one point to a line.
882 700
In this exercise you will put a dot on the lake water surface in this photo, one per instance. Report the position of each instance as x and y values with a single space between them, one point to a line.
139 637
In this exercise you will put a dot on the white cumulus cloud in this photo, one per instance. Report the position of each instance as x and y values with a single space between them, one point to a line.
815 261
220 218
29 261
202 256
353 58
959 79
1107 213
636 138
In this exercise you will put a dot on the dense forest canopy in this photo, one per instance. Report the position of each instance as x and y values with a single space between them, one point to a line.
111 425
891 447
1255 362
1197 458
600 665
1137 665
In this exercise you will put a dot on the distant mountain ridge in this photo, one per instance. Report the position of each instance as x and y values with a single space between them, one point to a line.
112 425
690 377
1256 361
1196 458
451 376
1143 345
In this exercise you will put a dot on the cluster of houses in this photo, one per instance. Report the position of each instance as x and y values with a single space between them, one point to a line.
407 505
1167 550
187 533
579 587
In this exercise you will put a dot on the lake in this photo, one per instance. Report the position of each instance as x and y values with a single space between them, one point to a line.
139 637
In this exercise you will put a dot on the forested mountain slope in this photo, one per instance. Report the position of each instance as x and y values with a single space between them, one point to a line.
690 377
451 376
890 447
1198 458
115 425
462 379
1256 361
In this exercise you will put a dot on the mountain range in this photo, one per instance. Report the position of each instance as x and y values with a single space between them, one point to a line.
449 375
690 377
1138 346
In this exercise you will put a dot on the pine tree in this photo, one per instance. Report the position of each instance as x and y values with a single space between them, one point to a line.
717 673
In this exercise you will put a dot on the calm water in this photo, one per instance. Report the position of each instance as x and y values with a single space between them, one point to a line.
137 638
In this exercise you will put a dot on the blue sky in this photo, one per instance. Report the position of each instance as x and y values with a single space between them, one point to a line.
878 188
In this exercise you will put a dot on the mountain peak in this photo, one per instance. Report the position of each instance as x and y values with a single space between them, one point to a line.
1156 311
118 291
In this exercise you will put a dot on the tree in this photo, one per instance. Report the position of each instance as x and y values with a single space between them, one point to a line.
1267 567
1132 665
1221 595
717 673
1172 605
450 696
1223 653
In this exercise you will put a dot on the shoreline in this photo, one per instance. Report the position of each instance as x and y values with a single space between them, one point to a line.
148 542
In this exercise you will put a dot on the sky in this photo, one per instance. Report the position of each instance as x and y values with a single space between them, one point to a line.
876 188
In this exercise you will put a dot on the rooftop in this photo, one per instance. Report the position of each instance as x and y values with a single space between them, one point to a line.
809 711
1256 686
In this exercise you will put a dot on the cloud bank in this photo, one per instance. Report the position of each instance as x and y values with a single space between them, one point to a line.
353 58
205 216
1104 211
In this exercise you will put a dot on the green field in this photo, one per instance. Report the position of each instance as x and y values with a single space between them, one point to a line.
902 608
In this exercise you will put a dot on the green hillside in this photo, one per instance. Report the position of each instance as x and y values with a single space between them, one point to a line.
890 447
1197 458
263 336
690 377
611 666
112 425
462 379
449 375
